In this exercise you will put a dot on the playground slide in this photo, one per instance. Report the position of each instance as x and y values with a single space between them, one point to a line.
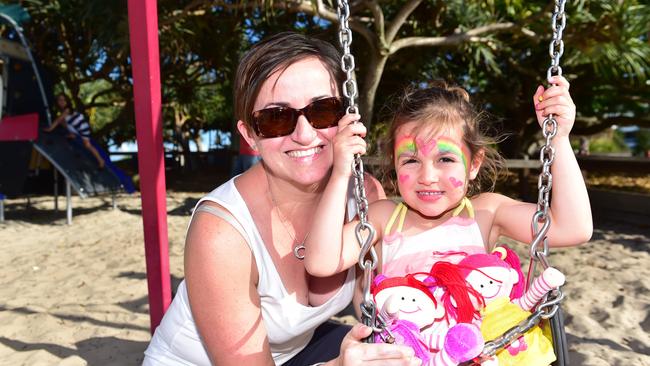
127 182
73 160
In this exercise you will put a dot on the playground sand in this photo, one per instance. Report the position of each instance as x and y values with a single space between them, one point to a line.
77 295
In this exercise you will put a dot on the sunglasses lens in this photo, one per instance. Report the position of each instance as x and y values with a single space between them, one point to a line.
281 121
324 113
274 122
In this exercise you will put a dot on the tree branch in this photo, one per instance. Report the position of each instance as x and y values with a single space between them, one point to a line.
307 7
101 93
104 105
472 35
400 19
380 26
189 9
595 124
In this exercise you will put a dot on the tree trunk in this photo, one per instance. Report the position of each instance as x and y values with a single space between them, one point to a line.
369 90
182 139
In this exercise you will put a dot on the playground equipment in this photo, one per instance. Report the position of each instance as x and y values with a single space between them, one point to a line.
26 152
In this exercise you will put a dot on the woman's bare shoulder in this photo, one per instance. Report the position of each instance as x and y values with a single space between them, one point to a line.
212 225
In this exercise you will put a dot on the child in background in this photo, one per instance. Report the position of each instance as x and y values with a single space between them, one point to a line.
442 161
76 124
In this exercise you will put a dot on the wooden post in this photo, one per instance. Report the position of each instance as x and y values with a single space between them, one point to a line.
143 34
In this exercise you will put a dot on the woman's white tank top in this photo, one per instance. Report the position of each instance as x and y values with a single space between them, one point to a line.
290 325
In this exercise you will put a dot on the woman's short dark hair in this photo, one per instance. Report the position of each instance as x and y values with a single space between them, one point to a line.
277 53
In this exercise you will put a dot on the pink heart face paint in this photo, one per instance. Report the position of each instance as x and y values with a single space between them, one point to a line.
455 182
425 147
403 178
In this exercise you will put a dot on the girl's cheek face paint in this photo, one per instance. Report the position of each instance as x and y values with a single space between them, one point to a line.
455 182
403 178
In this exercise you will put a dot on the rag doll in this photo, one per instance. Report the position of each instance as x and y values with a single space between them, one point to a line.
432 313
500 281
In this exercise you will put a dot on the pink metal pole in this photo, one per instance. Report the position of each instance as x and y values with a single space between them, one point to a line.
143 29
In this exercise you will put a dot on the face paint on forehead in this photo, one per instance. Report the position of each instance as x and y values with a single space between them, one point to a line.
405 145
425 146
447 145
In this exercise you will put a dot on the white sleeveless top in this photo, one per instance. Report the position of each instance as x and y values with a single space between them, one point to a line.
289 324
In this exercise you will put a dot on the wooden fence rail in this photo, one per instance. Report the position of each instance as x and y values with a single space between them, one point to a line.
607 205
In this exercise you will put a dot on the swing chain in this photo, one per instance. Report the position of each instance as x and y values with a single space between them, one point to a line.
368 265
550 303
347 59
556 47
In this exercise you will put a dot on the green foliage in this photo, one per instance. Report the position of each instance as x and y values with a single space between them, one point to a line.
104 112
85 44
609 143
643 143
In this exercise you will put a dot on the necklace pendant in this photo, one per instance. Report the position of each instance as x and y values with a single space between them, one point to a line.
299 251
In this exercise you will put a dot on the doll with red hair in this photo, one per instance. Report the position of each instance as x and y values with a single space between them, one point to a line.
500 281
431 312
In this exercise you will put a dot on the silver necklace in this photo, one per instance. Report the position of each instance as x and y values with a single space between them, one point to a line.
298 247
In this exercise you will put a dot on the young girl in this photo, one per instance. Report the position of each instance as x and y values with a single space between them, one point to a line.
76 124
442 161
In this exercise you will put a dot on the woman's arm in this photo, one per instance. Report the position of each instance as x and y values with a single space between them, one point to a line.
221 278
570 211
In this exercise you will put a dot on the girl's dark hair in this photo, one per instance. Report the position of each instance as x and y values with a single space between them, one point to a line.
68 101
441 107
276 53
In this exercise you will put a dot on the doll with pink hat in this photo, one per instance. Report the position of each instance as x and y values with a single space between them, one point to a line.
500 281
431 312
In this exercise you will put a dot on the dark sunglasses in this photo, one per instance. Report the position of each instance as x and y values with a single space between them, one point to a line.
281 121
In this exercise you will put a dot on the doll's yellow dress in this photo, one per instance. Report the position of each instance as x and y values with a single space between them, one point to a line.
532 349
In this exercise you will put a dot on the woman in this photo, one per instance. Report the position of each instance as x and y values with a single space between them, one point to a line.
246 298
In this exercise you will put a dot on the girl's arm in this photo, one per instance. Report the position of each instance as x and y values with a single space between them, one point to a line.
331 246
221 285
570 211
59 120
319 294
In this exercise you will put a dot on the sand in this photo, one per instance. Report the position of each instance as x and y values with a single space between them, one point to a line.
77 295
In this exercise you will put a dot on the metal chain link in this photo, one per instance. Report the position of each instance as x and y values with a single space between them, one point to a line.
547 156
368 265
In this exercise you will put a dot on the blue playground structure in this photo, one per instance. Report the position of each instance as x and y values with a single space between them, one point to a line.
27 153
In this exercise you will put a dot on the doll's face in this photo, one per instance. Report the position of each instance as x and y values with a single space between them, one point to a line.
492 282
408 303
